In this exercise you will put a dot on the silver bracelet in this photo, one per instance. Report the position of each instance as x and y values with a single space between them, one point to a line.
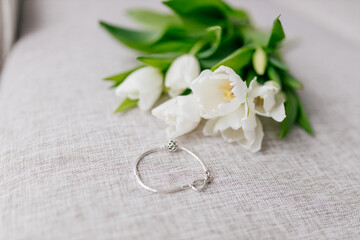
197 185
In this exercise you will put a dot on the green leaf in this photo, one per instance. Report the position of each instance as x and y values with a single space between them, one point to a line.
238 16
208 63
161 61
291 82
126 104
251 35
277 34
259 60
261 79
250 76
186 92
154 19
140 40
273 75
169 39
303 119
201 12
227 47
237 60
277 63
172 46
119 78
208 12
291 107
211 42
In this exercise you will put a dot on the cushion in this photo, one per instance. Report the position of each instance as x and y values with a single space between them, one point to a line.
66 161
8 25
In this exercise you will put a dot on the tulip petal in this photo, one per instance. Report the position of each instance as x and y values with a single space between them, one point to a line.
144 84
249 121
278 112
259 135
208 89
209 128
239 85
266 100
250 140
231 135
269 102
220 124
237 127
181 73
181 114
231 120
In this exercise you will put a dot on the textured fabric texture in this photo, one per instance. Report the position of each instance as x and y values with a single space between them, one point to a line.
66 161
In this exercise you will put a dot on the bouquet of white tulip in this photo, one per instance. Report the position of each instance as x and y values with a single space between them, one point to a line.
214 65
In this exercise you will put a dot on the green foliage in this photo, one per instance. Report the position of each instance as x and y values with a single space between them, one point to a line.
277 63
217 34
161 61
237 60
207 45
154 19
186 92
277 34
291 113
303 119
126 104
158 40
291 82
252 36
200 13
250 75
295 114
274 75
139 40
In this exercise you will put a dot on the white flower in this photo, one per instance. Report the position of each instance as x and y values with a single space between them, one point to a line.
218 93
239 127
181 114
145 84
266 100
182 71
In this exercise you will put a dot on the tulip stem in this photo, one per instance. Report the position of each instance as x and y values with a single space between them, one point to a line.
196 48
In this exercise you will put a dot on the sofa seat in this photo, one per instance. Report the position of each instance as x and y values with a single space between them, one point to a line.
66 160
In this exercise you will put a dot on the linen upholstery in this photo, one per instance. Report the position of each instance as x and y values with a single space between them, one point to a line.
66 161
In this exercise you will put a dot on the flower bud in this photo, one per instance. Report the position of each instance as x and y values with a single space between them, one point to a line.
145 84
181 73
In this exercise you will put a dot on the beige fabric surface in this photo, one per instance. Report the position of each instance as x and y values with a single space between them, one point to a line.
66 160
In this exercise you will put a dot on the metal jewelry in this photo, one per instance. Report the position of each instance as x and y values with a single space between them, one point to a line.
172 146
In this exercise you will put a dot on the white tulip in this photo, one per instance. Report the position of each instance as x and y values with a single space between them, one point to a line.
238 127
181 114
181 73
218 93
266 100
145 84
